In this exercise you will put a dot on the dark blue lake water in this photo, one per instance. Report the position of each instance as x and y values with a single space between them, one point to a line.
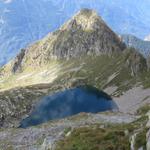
68 103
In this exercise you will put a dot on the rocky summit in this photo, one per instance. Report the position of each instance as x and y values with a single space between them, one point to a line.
86 54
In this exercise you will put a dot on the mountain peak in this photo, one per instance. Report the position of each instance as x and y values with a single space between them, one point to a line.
86 15
85 19
84 34
87 12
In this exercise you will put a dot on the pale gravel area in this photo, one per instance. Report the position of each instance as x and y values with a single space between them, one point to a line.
133 99
110 90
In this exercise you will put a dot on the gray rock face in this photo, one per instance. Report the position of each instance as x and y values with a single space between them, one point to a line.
148 140
86 33
49 143
18 61
135 62
148 133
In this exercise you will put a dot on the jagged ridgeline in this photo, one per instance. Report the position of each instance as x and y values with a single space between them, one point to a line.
84 48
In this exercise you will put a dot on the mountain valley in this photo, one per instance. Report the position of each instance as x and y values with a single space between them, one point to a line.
83 52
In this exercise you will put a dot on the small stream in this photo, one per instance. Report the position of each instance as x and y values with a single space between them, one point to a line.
67 103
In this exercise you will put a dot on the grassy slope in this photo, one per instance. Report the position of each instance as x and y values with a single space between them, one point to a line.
94 138
100 71
109 137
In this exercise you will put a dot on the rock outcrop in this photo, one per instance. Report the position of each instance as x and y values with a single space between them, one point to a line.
148 140
135 61
18 61
148 133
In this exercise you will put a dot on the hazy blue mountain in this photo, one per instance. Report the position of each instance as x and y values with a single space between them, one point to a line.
142 46
147 38
25 21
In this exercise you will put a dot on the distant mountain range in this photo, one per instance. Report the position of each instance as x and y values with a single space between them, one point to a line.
147 38
142 46
25 21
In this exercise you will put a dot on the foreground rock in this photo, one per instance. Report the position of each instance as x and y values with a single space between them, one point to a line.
45 136
148 140
148 133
